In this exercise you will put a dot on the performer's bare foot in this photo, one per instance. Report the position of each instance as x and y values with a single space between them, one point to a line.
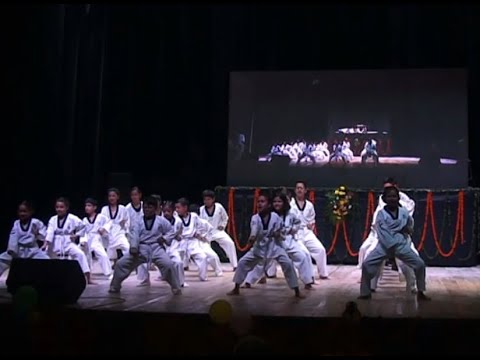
364 297
144 283
177 292
263 280
235 291
298 294
88 278
421 296
247 286
309 287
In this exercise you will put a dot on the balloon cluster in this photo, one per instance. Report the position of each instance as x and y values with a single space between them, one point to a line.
340 203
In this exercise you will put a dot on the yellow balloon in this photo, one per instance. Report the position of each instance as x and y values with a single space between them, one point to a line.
221 312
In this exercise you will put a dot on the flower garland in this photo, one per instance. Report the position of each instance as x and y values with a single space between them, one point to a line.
339 204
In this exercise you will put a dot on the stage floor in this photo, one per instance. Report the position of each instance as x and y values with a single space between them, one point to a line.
454 291
357 161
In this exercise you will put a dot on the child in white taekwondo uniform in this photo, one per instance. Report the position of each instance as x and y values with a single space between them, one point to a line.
117 214
24 237
306 213
215 214
62 236
393 225
372 240
205 232
147 246
175 250
265 236
298 254
92 236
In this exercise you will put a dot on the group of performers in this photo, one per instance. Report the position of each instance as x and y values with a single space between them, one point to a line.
150 233
302 151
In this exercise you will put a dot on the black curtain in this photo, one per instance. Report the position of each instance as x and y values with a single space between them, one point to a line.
95 89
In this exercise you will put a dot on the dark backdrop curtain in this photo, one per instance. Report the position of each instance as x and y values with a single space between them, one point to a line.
95 89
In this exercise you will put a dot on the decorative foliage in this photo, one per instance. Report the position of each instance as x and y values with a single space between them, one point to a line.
339 204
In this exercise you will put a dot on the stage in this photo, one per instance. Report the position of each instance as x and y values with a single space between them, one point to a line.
160 323
454 292
357 161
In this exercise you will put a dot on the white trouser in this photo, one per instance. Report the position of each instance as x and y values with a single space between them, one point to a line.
97 248
250 260
301 260
316 250
405 269
371 240
372 263
73 251
118 242
227 244
146 253
212 258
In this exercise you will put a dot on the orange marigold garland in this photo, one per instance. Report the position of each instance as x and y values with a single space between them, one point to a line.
459 227
231 227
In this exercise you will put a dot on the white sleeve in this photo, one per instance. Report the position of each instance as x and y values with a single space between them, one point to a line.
294 225
42 230
223 216
108 224
135 236
203 228
13 240
254 226
168 231
126 217
202 212
277 229
380 206
82 231
310 214
79 226
50 229
407 203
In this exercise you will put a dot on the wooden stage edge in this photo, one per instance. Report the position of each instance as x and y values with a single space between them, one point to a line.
454 291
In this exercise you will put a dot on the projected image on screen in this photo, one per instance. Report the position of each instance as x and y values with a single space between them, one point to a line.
349 126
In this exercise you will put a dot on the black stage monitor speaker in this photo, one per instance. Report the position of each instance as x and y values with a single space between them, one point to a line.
59 282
